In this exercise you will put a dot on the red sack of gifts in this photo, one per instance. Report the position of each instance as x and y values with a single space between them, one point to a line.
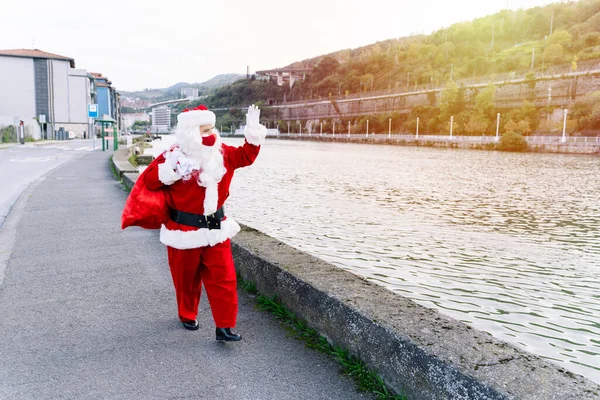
144 207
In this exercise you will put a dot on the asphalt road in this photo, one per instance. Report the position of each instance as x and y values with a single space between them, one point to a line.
22 164
88 310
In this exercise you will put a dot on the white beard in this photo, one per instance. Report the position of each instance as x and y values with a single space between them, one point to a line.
208 160
204 162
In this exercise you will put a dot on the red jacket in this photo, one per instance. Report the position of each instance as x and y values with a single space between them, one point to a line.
159 187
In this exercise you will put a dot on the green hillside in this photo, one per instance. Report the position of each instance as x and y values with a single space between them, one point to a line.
532 41
501 43
174 91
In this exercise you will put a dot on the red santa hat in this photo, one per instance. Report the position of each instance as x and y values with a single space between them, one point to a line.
196 117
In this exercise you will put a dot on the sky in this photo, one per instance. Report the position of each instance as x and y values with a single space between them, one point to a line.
140 45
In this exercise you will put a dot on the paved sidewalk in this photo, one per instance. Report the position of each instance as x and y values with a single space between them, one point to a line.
88 311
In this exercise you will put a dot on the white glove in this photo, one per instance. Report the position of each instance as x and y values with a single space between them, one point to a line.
186 166
172 157
253 117
254 132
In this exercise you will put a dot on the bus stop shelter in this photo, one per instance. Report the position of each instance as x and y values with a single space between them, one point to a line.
107 120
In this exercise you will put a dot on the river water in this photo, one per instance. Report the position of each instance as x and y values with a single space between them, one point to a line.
508 243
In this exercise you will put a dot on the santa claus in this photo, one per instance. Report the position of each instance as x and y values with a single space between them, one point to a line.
192 181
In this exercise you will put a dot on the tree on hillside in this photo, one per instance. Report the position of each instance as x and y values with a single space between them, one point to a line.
586 112
562 37
326 67
554 53
476 124
485 102
447 99
452 101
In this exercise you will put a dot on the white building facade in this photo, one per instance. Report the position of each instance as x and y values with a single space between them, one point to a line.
189 93
161 119
36 86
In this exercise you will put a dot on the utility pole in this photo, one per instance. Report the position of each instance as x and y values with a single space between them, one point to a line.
551 21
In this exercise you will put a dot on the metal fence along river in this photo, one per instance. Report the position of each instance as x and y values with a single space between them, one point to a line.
506 242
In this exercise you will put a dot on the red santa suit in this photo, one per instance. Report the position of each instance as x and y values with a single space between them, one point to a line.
195 180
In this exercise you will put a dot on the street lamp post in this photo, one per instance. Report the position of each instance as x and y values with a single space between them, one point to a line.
390 129
564 133
451 123
367 128
321 133
348 128
333 128
417 128
497 126
288 127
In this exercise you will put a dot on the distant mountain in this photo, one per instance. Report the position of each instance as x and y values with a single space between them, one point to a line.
174 91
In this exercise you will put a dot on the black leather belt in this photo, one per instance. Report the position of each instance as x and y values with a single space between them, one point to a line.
212 221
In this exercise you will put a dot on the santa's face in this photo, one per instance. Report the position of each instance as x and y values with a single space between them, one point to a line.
209 138
206 130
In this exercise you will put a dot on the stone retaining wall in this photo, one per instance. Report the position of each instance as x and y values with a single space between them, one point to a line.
561 148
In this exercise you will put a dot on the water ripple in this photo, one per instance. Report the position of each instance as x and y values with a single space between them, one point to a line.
508 243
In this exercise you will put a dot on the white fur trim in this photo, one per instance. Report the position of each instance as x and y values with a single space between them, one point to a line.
196 118
256 134
200 238
166 174
211 197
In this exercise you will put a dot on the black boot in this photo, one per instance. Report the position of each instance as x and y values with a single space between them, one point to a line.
227 335
191 325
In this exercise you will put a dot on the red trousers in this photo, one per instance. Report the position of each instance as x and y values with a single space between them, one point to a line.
213 266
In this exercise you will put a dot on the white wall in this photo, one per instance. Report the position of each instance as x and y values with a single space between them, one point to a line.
17 87
31 126
79 95
60 72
